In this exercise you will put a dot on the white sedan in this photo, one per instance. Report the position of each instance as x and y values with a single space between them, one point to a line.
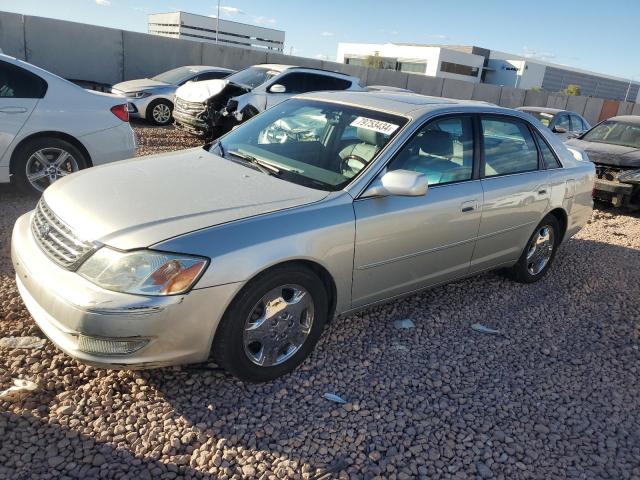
50 127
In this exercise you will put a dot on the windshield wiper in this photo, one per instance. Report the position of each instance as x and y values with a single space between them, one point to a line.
261 165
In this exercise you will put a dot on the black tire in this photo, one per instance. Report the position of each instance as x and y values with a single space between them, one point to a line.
149 114
521 271
24 153
228 345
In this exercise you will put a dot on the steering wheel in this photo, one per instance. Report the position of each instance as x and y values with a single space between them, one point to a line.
346 167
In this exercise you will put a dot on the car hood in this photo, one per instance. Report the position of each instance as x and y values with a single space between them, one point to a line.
140 202
201 91
140 84
608 154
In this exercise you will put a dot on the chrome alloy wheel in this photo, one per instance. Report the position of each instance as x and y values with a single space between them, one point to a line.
540 249
278 325
161 113
47 165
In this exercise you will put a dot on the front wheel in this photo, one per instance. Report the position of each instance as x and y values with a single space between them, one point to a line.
160 112
272 325
539 253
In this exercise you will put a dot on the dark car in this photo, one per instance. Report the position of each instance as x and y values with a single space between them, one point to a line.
614 146
563 122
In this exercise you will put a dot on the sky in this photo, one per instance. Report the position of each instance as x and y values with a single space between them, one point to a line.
603 36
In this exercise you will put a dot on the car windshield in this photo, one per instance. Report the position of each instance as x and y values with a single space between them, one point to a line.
317 144
544 117
615 133
252 77
175 76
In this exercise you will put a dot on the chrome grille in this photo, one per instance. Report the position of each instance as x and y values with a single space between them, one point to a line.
57 240
190 108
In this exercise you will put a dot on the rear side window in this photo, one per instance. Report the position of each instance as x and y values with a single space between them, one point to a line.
16 82
550 159
508 147
325 82
576 124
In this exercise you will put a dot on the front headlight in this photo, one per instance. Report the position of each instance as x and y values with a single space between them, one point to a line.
143 272
138 94
631 176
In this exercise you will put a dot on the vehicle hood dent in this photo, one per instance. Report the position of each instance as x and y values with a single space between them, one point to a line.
201 91
609 154
140 202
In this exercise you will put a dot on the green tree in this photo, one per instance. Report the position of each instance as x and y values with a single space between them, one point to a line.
573 90
536 89
373 61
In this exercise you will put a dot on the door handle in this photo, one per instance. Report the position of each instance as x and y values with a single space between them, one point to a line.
13 110
469 206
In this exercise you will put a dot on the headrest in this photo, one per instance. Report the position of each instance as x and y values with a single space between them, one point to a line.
436 142
369 136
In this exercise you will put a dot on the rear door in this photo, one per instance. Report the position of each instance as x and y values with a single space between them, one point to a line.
20 91
408 243
516 190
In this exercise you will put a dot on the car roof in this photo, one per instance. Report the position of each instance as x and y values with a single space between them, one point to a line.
203 68
281 68
635 119
399 103
541 109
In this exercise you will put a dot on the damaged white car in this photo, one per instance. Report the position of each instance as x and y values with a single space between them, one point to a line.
210 108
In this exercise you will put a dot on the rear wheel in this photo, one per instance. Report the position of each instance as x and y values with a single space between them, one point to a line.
159 112
539 253
42 161
272 325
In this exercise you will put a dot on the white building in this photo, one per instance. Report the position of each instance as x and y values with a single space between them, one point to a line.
431 60
517 71
202 28
475 64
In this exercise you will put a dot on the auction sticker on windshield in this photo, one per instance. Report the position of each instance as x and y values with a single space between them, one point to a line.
375 125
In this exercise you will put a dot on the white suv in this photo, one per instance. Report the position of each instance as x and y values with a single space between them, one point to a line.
210 108
50 127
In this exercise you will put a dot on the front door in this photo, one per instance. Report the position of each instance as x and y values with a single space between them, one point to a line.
408 243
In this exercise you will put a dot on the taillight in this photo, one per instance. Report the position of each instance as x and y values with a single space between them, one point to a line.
121 112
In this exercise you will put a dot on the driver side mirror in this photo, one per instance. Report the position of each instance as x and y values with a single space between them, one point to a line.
277 88
405 183
557 129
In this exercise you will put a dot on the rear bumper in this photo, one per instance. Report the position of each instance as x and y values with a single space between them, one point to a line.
69 310
116 143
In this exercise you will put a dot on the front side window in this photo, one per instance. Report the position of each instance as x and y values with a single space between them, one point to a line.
616 133
508 147
442 150
317 144
576 124
16 82
294 82
177 76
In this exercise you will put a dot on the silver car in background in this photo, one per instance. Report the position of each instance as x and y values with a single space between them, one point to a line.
152 98
322 205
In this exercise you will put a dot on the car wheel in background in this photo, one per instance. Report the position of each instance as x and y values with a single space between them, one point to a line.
539 252
272 325
159 112
42 161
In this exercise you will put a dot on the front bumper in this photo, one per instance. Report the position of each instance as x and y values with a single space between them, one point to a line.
175 329
611 191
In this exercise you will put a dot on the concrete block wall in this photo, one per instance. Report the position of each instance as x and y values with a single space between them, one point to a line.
457 89
107 55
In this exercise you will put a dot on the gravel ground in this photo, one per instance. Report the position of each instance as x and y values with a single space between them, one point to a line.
556 396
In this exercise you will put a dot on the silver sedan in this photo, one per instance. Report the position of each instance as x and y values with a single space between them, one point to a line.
152 98
322 205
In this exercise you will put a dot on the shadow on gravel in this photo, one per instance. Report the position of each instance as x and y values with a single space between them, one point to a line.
66 452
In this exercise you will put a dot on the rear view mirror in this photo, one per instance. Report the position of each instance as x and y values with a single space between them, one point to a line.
405 183
277 88
557 129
